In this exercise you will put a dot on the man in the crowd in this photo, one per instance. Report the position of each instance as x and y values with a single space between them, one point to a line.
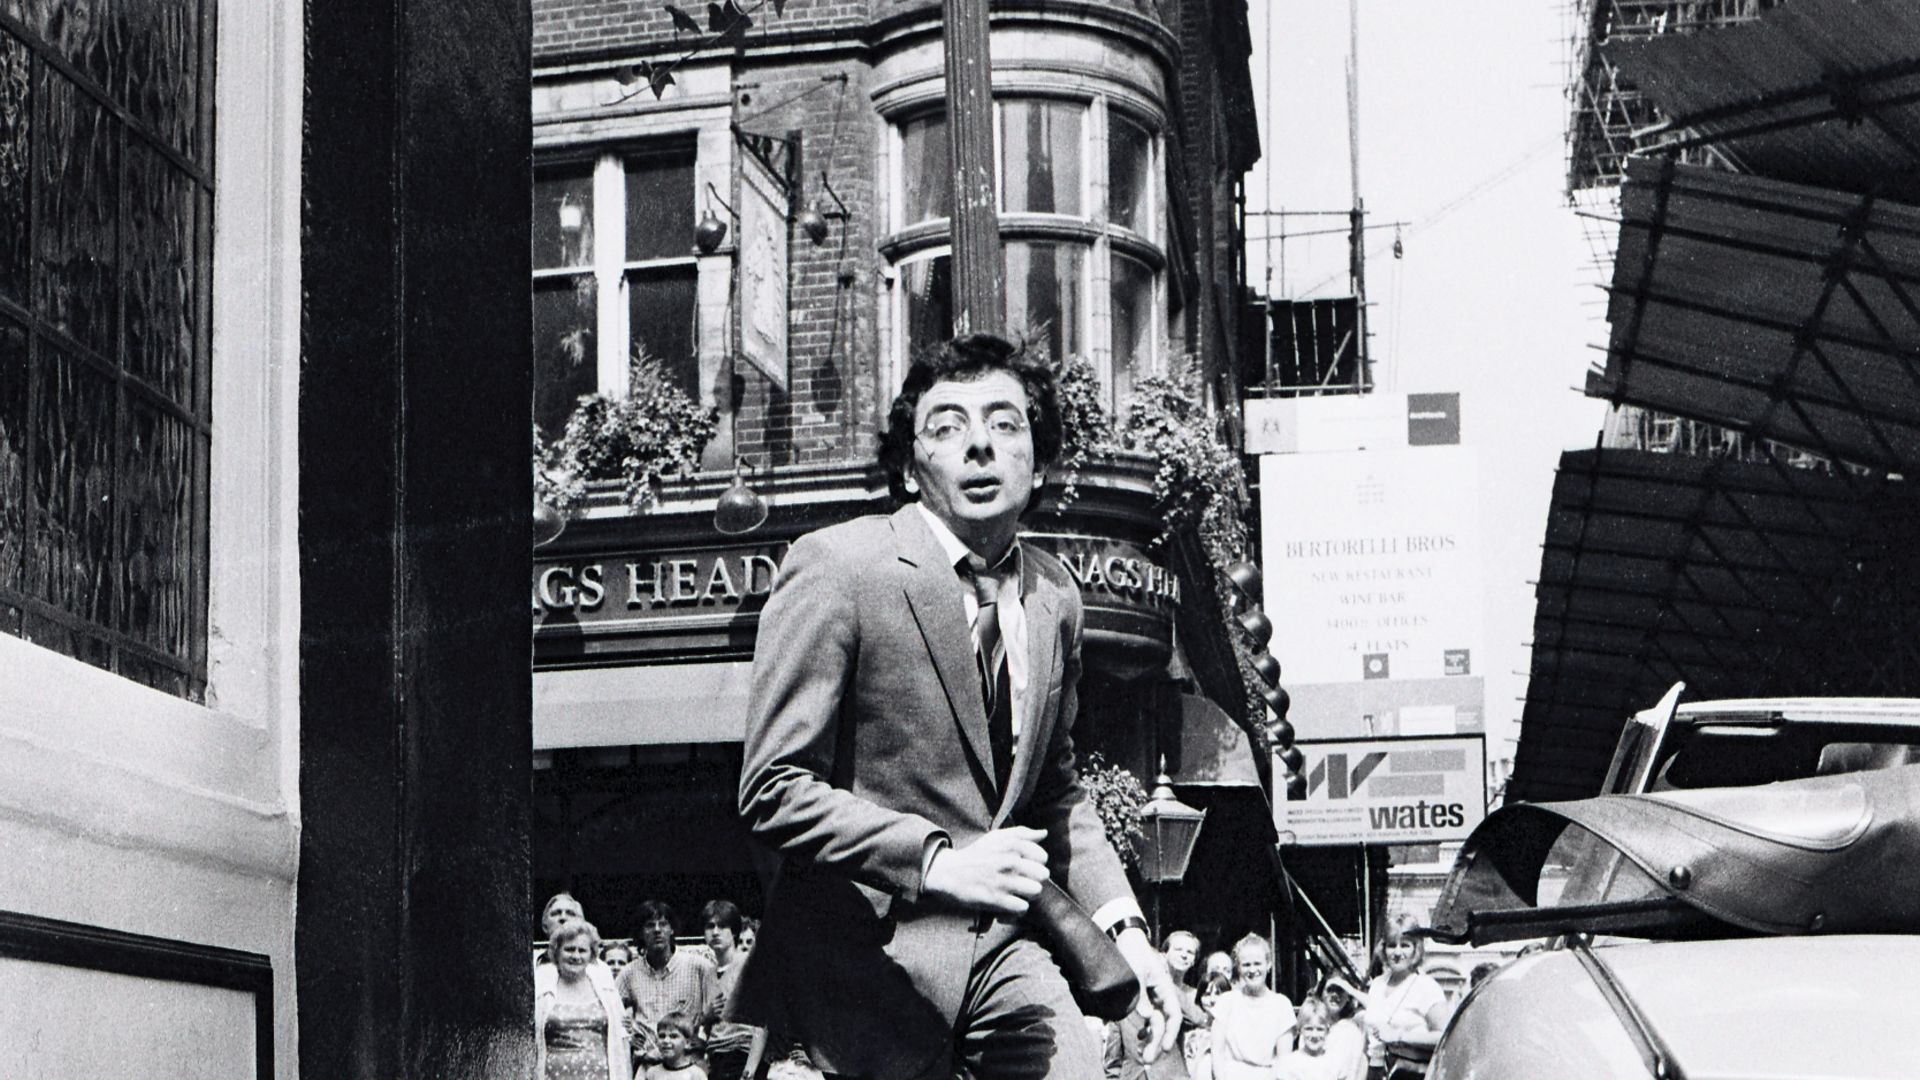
909 755
664 979
733 1050
561 909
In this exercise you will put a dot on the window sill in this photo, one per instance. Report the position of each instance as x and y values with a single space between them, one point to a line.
85 751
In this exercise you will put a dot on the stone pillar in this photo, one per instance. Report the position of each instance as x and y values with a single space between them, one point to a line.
415 514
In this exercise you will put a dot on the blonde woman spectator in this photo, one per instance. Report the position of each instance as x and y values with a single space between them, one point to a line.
1253 1026
577 1022
1405 1008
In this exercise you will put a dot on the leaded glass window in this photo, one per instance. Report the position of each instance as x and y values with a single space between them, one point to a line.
106 225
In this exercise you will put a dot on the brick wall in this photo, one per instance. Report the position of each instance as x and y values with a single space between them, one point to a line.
830 410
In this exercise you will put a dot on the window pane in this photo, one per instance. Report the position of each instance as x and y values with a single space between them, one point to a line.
661 309
660 206
71 563
565 363
15 130
160 273
13 454
926 183
154 62
1040 153
76 245
563 217
1044 294
929 294
1129 174
156 540
1132 323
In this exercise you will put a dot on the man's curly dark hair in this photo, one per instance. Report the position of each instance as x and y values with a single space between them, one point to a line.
964 359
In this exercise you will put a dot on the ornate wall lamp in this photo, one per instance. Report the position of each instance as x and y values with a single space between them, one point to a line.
740 508
813 221
711 232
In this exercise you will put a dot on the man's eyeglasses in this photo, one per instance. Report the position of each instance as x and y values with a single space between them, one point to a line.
951 429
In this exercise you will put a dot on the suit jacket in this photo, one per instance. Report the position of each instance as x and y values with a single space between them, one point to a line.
866 737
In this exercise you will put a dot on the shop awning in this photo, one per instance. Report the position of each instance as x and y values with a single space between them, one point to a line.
1822 92
633 706
1213 749
1787 312
1741 579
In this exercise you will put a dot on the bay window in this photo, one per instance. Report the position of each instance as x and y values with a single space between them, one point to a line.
1080 212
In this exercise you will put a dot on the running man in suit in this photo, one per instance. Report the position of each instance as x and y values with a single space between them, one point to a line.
909 756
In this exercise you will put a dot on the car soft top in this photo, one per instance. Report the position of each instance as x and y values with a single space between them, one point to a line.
1832 854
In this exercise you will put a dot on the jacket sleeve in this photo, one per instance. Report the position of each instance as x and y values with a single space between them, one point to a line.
802 668
1079 857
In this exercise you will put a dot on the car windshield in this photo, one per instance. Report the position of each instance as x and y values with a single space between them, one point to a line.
1732 752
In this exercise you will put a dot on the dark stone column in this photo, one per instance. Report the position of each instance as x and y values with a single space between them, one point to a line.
415 497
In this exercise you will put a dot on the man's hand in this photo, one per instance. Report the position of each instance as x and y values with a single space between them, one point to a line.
998 873
1159 998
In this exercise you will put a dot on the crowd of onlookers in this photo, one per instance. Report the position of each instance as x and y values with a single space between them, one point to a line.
1239 1028
652 1009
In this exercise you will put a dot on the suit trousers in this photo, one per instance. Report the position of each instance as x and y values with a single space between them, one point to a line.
1018 1020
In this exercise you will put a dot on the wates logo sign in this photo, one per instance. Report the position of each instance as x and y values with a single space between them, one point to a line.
1344 778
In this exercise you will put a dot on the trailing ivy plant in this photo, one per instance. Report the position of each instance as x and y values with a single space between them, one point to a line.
1087 428
655 432
1198 482
1117 796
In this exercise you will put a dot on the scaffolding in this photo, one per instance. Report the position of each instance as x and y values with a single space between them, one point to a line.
1609 109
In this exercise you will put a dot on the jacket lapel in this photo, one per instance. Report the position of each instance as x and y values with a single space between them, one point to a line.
933 597
1043 674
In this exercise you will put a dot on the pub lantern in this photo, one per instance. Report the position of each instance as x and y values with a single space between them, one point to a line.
1169 830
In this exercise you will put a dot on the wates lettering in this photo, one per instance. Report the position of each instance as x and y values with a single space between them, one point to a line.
1420 815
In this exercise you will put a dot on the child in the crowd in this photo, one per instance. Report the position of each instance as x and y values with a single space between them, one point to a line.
679 1040
1311 1061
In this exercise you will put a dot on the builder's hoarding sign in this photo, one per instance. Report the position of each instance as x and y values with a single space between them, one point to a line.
1373 563
1409 790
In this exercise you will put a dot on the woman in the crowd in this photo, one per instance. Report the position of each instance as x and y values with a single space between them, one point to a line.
578 1022
1346 1039
1253 1026
1405 1008
1198 1043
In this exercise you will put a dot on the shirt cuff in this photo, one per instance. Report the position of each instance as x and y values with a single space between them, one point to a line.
1116 911
936 843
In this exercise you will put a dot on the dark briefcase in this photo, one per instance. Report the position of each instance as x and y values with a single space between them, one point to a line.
1102 981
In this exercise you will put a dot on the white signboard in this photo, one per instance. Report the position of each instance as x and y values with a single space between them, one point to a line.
1372 562
1410 790
763 271
1319 424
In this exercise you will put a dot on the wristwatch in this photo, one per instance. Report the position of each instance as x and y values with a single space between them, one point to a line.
1131 922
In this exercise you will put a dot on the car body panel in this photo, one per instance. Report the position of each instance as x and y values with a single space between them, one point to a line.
1809 1008
1540 1016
